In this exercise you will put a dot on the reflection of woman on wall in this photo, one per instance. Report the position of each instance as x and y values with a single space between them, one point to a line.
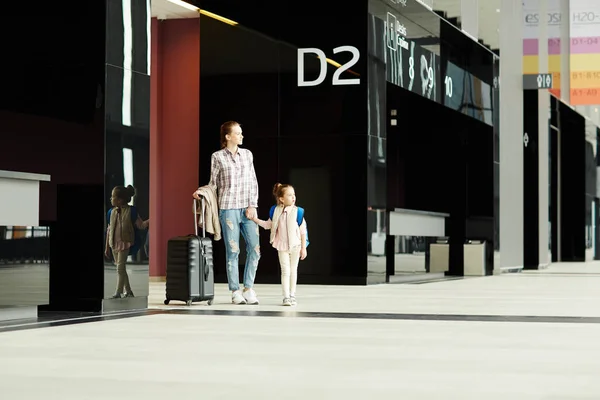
122 236
232 175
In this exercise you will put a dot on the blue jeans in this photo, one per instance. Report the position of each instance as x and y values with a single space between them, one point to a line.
232 223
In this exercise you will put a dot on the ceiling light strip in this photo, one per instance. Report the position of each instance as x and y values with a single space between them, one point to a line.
218 17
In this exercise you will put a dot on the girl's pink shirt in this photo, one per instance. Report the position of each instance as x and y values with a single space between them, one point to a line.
281 241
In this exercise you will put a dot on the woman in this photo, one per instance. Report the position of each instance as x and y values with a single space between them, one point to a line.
232 175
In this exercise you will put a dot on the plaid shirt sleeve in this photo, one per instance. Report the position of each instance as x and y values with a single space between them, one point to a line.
214 172
253 184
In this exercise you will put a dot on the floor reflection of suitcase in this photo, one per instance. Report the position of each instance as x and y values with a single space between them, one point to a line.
190 276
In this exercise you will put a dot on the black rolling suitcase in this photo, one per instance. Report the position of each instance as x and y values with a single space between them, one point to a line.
190 276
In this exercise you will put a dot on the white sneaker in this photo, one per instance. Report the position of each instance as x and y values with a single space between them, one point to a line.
287 302
250 296
237 298
293 300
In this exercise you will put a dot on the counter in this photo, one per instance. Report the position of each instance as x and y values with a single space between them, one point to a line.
24 267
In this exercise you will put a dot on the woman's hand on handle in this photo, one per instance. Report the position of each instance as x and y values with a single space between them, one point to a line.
196 194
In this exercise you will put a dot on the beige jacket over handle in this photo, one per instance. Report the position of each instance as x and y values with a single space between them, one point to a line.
210 211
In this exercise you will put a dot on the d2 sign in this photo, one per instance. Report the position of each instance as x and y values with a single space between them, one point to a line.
323 66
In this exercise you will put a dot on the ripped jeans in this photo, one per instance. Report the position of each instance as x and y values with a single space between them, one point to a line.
232 223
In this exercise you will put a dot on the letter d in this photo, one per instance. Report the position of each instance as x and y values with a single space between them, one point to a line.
322 66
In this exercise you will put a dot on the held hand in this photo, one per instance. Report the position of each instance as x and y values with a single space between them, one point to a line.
303 253
251 213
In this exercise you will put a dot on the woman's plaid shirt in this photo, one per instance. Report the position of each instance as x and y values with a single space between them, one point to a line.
234 178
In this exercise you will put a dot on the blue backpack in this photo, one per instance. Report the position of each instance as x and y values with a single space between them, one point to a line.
299 219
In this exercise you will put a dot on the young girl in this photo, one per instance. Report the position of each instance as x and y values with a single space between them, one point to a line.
288 236
121 235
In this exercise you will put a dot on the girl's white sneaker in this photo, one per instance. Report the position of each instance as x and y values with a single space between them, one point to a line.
287 302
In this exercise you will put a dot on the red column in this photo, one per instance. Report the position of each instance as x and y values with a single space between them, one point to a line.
174 133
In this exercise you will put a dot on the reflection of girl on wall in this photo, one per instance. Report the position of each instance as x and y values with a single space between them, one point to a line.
122 236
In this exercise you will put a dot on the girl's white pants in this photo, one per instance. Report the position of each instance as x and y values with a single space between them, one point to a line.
288 260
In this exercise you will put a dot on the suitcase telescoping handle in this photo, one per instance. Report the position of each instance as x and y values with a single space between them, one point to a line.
201 217
203 205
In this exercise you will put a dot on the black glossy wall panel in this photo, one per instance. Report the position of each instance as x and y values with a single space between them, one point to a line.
312 137
444 165
52 62
421 158
335 142
572 177
76 269
51 107
554 179
531 240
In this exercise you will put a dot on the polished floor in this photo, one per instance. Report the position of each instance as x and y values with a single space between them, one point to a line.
515 336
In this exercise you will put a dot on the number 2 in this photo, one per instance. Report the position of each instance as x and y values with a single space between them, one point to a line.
355 57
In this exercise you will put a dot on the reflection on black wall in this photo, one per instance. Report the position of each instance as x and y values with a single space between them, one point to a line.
127 119
590 190
378 117
496 98
596 196
312 137
24 269
470 68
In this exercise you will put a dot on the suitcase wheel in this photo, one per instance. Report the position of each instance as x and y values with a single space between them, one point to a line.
167 301
209 302
189 302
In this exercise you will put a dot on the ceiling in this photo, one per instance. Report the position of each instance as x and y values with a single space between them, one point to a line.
163 9
488 15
